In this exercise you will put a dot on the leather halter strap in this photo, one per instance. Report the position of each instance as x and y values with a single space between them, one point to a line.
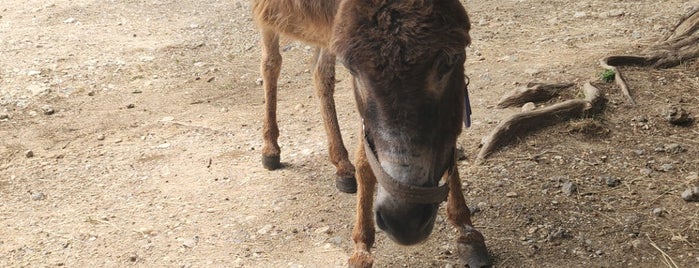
404 191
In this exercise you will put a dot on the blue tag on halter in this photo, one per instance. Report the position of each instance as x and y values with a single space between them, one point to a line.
467 105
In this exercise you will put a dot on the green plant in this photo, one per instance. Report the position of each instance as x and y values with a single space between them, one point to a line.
607 76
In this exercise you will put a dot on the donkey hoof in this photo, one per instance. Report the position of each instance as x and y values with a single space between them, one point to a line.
472 250
346 184
271 162
360 260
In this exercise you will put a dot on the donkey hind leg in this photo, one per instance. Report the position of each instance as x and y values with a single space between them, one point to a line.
270 67
471 243
363 233
324 78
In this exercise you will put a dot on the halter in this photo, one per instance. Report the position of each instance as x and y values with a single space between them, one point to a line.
408 192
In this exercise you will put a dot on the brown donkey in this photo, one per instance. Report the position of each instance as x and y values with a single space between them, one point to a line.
406 59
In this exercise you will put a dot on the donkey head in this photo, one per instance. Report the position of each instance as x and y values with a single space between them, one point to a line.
406 58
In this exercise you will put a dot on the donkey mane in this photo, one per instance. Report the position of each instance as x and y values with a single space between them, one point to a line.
402 33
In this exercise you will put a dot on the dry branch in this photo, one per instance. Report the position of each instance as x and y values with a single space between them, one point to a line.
518 125
533 92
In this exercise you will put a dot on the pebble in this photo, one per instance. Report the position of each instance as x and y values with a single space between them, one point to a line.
259 81
69 20
569 188
532 71
691 194
164 146
265 229
100 137
38 196
511 194
529 106
323 230
646 171
658 212
4 116
48 110
337 240
674 148
611 181
677 116
579 15
667 167
474 209
29 153
190 242
130 106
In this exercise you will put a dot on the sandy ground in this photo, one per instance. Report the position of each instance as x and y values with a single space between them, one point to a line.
130 135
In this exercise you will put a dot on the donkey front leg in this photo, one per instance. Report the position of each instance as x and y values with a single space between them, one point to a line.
471 243
324 78
363 233
270 66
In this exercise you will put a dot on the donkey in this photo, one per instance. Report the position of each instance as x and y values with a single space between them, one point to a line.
407 63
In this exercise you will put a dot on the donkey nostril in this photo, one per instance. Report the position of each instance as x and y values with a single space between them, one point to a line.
380 221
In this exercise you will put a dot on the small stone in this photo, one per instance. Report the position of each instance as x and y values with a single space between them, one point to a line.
190 242
646 171
337 240
69 20
474 209
667 167
38 196
131 106
691 194
569 188
29 153
259 81
136 91
532 71
511 194
616 12
164 145
658 212
677 116
674 148
599 252
579 15
133 258
265 229
529 106
4 116
48 110
611 181
100 137
640 119
323 230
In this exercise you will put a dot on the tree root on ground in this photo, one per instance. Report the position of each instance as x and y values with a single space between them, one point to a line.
518 125
680 46
532 93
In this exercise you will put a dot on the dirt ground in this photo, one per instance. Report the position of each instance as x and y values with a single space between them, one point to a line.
130 135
